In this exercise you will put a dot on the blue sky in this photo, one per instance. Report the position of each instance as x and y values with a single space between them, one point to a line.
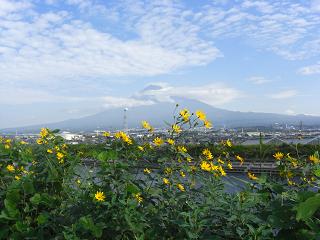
72 58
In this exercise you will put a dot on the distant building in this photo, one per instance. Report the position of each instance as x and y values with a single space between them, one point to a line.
71 136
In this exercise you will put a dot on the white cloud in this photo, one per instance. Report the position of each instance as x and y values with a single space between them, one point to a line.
156 37
212 94
290 112
8 7
310 70
288 28
116 102
258 80
284 94
56 46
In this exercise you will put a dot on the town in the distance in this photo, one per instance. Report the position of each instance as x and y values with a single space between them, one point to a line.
277 134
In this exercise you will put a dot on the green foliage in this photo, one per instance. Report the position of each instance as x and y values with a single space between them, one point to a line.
46 191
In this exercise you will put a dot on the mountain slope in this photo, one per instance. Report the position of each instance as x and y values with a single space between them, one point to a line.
163 111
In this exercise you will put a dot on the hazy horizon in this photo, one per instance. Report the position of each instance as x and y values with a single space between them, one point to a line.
68 59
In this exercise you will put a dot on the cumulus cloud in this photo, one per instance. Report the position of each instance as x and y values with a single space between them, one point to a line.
310 70
57 46
284 94
212 94
8 7
157 37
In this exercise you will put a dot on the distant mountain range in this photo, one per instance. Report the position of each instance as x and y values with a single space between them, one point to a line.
160 112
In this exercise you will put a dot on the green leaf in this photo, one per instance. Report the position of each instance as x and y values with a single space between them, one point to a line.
307 208
36 199
103 156
11 208
21 227
88 224
317 172
42 218
13 194
132 188
28 187
55 131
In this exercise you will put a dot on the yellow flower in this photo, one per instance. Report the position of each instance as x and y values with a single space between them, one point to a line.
106 134
147 126
193 169
170 141
229 165
289 174
294 163
17 177
49 151
189 159
39 141
124 137
207 153
60 157
168 171
314 158
181 187
229 143
118 134
185 114
166 181
44 132
78 181
182 174
278 155
207 124
220 161
10 168
221 170
147 170
182 149
201 115
204 165
158 141
215 167
240 159
99 196
127 139
291 183
138 197
7 146
141 148
176 128
23 143
252 176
